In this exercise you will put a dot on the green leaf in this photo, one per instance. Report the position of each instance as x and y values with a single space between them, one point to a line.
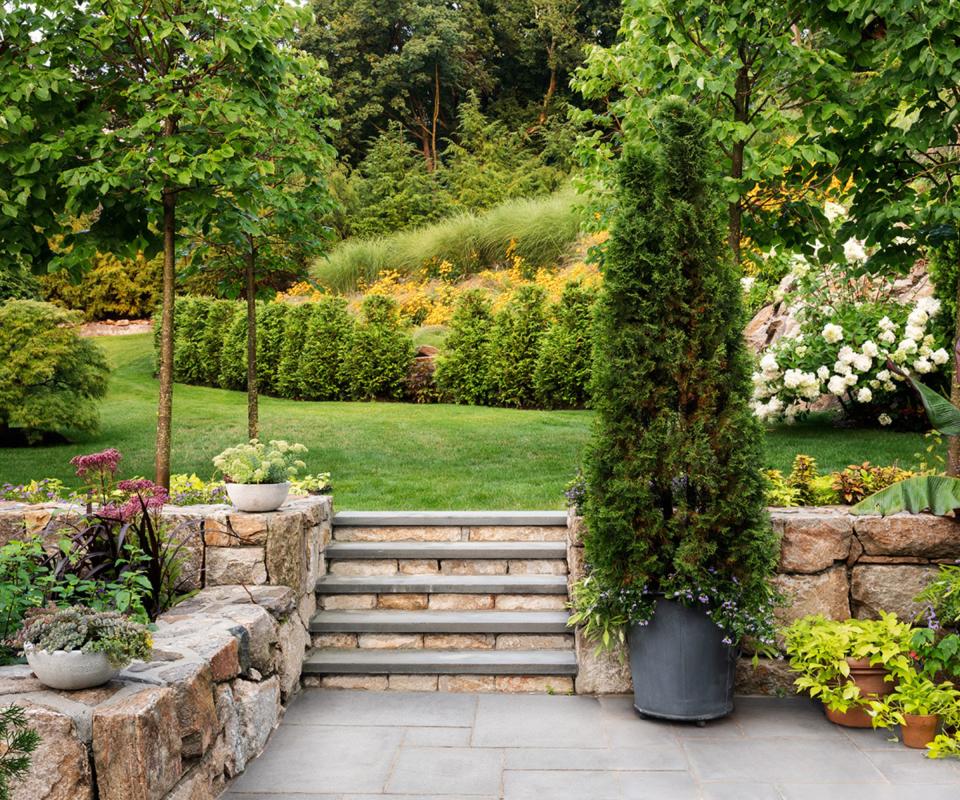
938 494
943 415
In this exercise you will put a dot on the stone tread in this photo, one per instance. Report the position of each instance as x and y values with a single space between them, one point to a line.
446 550
386 519
359 661
443 584
541 622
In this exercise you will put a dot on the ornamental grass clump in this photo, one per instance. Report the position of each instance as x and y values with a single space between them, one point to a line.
674 504
274 462
118 637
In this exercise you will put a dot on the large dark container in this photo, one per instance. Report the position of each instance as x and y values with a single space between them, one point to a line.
681 668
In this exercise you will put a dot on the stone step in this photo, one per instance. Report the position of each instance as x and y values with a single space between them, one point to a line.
445 550
380 621
443 584
358 661
389 519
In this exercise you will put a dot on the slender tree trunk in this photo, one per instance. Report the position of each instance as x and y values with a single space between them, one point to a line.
551 86
253 406
436 113
953 450
741 113
165 402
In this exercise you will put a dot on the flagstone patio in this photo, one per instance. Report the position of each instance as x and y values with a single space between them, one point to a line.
343 745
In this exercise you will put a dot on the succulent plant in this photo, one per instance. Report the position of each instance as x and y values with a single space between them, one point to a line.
119 638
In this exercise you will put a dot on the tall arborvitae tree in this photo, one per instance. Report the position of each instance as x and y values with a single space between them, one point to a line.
674 482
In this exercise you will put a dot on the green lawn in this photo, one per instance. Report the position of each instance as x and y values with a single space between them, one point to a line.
390 455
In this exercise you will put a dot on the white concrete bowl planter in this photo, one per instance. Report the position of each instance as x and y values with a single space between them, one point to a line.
258 496
69 669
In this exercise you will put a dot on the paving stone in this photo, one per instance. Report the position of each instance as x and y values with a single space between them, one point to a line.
773 717
389 641
460 602
744 791
349 601
459 641
393 709
843 791
560 785
781 761
436 737
334 759
537 566
412 683
473 567
445 770
664 757
364 568
909 766
658 786
538 721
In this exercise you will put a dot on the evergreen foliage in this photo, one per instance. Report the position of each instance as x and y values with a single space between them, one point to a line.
515 346
233 355
327 336
291 353
51 379
111 288
376 363
562 372
675 495
188 362
219 315
17 742
462 371
271 330
18 283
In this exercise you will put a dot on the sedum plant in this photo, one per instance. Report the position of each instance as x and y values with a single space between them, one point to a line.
675 492
276 461
119 638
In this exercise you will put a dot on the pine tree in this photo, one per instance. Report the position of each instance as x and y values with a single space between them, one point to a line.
564 364
674 482
463 369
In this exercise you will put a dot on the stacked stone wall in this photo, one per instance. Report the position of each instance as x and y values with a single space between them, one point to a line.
225 662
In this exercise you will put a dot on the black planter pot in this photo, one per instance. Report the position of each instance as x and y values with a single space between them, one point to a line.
680 666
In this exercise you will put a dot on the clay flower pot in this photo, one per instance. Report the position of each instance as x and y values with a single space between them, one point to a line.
919 729
871 682
258 496
69 669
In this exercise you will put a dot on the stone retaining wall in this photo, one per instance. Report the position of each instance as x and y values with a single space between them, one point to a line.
225 663
831 563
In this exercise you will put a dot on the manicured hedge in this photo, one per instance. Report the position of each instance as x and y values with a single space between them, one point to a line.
527 355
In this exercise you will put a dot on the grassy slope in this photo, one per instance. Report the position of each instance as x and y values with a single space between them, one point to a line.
542 230
385 455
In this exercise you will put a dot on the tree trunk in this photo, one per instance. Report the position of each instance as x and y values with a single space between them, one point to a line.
953 449
253 408
551 86
436 114
165 402
741 113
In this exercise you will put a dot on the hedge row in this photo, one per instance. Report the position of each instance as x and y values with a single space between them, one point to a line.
527 355
313 351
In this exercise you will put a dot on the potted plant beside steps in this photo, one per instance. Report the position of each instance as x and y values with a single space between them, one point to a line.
678 544
258 475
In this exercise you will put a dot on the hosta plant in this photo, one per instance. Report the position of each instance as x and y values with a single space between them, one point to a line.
255 462
119 638
818 649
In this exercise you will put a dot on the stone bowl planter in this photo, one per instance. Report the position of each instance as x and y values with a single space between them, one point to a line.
256 497
69 669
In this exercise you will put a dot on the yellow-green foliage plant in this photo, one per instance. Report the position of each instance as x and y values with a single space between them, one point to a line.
818 649
113 288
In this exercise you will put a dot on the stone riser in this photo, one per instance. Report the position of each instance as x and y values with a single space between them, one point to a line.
444 602
447 641
539 684
488 533
403 566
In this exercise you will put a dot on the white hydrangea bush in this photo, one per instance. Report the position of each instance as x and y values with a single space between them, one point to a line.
849 326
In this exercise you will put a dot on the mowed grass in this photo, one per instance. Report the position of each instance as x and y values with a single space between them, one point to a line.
391 456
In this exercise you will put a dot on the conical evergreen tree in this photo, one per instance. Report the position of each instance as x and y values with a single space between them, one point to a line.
675 495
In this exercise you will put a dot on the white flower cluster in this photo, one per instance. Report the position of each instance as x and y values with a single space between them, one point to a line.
794 372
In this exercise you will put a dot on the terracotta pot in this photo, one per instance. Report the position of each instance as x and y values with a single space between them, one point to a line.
856 717
919 729
872 684
869 679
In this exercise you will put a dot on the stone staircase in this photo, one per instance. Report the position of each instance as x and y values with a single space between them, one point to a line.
455 601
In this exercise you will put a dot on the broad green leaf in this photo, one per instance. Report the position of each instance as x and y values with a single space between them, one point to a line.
938 494
943 415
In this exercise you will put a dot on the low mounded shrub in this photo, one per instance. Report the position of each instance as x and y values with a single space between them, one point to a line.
51 379
112 288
